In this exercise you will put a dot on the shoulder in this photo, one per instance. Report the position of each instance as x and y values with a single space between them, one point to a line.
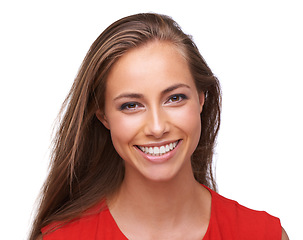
241 221
284 235
86 225
69 230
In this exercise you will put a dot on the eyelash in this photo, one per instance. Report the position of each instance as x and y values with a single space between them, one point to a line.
133 105
180 97
126 106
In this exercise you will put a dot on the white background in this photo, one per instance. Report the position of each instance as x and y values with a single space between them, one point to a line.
254 47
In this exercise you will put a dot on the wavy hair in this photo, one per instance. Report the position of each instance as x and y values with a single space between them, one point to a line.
85 167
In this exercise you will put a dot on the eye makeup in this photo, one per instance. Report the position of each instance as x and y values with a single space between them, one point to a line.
130 106
175 98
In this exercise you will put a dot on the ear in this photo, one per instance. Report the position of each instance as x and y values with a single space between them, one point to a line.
102 118
201 100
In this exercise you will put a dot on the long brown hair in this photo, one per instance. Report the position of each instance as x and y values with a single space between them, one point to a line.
85 167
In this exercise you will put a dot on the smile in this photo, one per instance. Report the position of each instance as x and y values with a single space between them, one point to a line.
158 151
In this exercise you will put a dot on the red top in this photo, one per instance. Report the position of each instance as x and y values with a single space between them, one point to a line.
229 220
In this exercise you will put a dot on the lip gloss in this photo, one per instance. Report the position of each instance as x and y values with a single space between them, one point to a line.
161 158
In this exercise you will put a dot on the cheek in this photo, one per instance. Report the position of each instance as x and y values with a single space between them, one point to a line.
123 129
189 121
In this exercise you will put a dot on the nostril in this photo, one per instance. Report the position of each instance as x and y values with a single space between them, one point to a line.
156 123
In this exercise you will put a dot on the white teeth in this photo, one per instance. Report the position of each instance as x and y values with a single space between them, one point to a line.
162 149
150 150
156 151
167 148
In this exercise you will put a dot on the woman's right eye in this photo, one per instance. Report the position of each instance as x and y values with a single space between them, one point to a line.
130 106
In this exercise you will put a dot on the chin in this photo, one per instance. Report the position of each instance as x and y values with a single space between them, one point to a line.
165 174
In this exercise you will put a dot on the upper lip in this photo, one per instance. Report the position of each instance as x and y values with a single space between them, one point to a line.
157 144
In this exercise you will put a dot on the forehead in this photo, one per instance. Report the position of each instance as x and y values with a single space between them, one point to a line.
154 65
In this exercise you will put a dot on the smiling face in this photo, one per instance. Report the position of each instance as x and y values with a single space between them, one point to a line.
152 109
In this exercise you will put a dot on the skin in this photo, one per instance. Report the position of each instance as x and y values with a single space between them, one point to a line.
155 113
151 100
284 235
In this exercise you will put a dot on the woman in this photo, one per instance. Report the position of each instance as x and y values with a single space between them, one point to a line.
133 155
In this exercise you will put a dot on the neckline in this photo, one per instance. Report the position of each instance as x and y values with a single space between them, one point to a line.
212 193
205 237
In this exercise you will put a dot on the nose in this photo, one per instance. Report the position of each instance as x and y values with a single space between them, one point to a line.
156 123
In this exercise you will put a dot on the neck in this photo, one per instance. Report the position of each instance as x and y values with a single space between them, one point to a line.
159 194
158 200
161 209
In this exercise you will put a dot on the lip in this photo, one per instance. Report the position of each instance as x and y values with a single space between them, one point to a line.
162 158
157 144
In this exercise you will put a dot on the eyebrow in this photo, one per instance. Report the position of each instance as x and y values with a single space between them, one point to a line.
173 87
140 96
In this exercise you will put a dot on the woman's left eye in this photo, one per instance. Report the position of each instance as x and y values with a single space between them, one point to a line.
176 98
130 106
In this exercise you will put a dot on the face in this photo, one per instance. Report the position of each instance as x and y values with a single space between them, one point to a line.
152 109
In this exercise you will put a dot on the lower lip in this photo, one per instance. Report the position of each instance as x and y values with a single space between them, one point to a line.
162 158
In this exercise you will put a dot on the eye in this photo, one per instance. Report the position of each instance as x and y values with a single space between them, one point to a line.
176 98
130 106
